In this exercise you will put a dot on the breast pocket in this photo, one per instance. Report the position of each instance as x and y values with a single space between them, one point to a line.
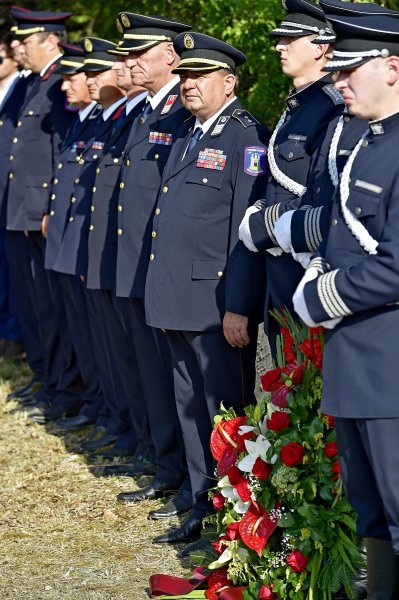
202 198
364 203
292 150
152 165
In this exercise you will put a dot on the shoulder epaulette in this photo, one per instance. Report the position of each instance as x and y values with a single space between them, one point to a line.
333 93
245 118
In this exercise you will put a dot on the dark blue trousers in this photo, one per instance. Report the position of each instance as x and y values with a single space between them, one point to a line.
9 324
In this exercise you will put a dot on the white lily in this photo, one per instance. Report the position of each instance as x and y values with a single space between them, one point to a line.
255 450
227 490
241 507
245 429
224 558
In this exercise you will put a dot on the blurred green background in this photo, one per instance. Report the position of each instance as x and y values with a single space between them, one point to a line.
243 23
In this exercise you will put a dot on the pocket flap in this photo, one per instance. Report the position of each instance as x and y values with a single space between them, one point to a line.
208 177
362 203
292 150
207 269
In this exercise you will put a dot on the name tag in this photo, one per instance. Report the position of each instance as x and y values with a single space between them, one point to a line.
158 137
370 187
210 158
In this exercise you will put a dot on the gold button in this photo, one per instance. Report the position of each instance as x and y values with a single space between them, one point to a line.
94 155
15 140
165 189
78 158
30 112
121 185
1 123
120 231
220 273
10 175
365 143
154 234
73 199
52 213
12 157
115 160
358 210
91 227
94 188
81 162
156 156
334 222
60 165
347 119
19 123
70 219
45 185
55 181
128 163
92 208
158 210
152 256
205 180
77 180
98 170
120 207
52 196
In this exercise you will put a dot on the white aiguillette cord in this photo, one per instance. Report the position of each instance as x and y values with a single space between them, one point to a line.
357 229
332 154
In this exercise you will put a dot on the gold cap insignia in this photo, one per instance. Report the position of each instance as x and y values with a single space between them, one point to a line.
119 25
188 41
125 20
88 45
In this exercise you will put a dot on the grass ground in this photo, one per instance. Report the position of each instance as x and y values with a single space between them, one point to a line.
62 533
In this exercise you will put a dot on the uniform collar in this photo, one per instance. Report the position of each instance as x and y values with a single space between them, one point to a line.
381 126
111 109
86 111
297 99
208 123
130 104
155 100
43 71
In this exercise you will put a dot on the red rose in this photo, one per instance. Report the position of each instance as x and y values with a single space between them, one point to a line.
278 421
218 501
331 449
232 531
292 454
297 561
243 490
261 469
269 378
331 420
336 469
265 593
235 475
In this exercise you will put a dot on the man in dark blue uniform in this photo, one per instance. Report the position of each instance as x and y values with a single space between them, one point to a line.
198 272
352 288
43 121
294 144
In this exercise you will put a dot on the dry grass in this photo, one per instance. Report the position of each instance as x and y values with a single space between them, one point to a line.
62 533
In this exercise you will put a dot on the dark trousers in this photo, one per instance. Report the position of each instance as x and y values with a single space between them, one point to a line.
207 371
9 325
118 369
155 371
74 301
369 458
24 295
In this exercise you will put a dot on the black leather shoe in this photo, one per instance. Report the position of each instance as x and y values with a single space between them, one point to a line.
129 470
201 545
188 532
114 452
180 504
101 442
156 489
25 391
74 423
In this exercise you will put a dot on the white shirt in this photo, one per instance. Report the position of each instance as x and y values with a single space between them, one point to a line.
134 101
111 109
6 87
209 122
160 95
43 71
84 112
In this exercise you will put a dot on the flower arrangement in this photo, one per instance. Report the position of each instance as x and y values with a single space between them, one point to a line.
286 529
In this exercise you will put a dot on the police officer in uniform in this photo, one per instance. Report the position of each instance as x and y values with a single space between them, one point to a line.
195 275
294 144
352 288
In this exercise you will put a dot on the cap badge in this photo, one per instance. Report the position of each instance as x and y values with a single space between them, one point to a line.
188 41
125 20
88 45
119 26
385 52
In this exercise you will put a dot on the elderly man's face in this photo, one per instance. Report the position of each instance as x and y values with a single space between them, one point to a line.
204 94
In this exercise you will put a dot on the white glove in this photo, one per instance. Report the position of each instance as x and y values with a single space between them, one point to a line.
300 305
282 231
244 232
275 251
302 257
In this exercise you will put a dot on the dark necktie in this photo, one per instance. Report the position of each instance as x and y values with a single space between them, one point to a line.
147 110
195 136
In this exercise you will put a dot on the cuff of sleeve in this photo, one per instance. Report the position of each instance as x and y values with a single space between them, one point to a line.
323 299
306 232
261 225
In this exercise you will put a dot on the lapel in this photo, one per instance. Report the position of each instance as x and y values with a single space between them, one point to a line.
206 141
129 118
33 90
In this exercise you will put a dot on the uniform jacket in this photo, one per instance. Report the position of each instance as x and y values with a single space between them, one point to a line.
297 144
362 288
43 122
69 183
144 160
72 254
197 268
102 243
8 122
